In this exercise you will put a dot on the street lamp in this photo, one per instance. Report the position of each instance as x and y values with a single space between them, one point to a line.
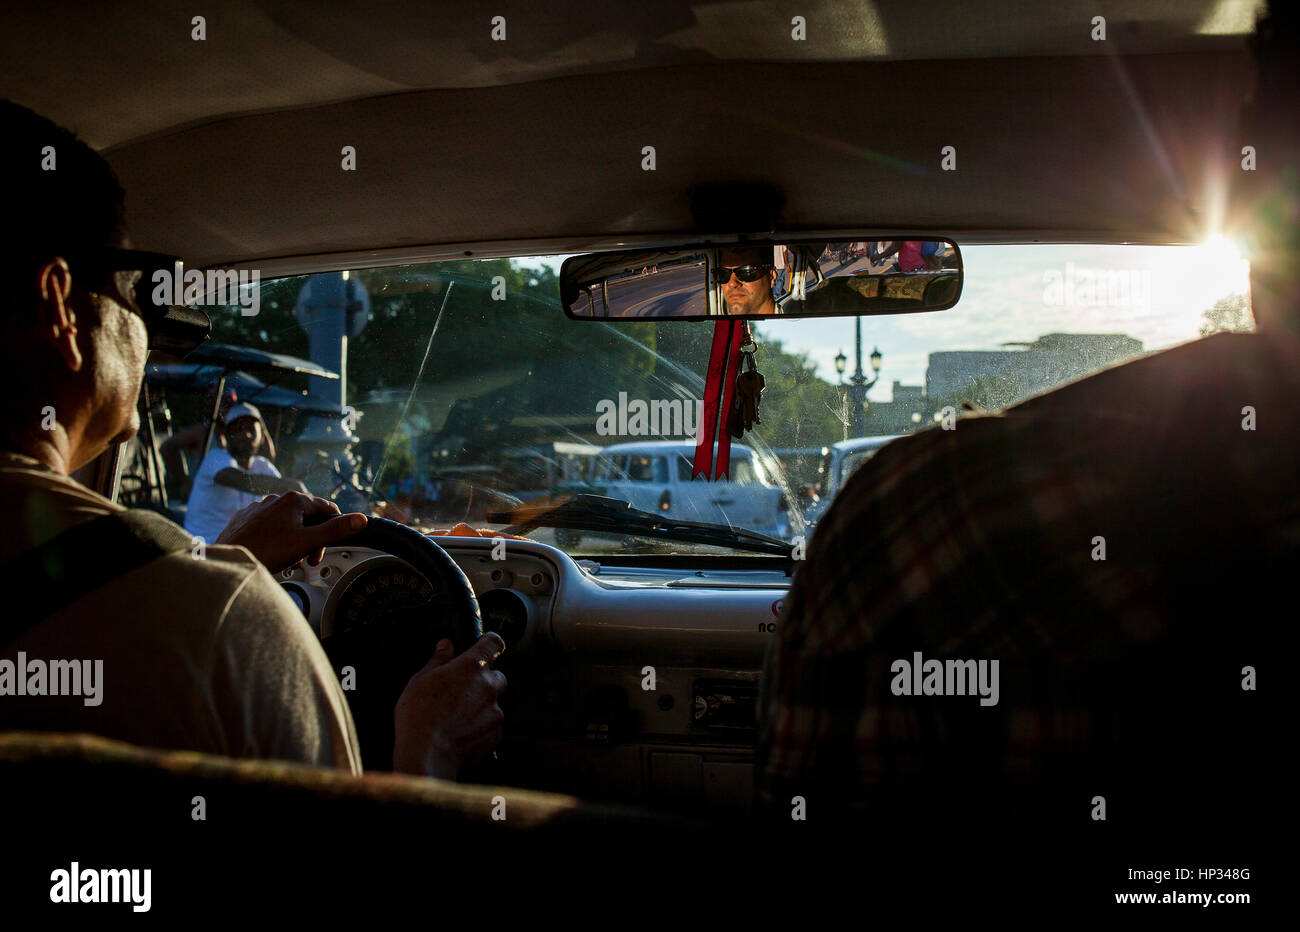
841 361
860 386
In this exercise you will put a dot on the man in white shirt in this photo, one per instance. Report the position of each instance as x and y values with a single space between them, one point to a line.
233 478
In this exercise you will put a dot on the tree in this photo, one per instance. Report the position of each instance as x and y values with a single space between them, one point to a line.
1229 315
798 409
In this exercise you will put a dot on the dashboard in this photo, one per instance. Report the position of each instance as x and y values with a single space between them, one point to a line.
630 683
542 596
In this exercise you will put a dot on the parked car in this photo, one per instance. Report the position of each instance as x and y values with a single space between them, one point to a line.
839 462
656 476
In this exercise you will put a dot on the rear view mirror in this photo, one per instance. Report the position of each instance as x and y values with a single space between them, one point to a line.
759 280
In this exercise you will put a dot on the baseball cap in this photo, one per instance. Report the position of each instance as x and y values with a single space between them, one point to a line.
243 410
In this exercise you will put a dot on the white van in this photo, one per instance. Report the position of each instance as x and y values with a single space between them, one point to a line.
655 476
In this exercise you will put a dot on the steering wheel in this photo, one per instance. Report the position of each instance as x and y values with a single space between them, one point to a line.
384 647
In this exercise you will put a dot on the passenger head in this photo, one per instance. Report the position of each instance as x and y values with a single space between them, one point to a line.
244 429
755 295
72 351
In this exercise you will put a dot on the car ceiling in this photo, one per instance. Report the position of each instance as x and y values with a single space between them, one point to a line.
229 148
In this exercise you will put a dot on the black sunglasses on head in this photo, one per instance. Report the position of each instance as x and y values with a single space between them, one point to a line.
172 329
746 273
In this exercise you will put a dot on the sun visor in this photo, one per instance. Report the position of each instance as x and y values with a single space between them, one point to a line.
181 331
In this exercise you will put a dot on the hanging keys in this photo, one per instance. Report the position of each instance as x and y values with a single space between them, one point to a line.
750 385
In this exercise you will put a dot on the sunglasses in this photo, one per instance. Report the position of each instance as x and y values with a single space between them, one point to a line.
175 330
746 273
100 265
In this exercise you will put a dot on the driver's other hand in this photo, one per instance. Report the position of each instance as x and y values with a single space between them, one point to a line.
448 713
272 529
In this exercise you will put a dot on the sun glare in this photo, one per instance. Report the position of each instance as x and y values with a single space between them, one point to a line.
1223 261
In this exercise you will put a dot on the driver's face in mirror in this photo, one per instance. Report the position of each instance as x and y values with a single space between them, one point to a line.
752 296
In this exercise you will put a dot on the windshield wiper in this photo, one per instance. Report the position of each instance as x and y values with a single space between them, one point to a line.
596 513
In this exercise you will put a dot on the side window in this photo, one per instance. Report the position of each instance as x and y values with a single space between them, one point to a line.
647 468
684 468
611 468
855 461
742 472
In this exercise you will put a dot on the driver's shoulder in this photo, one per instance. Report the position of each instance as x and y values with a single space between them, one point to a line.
212 580
188 602
228 562
169 614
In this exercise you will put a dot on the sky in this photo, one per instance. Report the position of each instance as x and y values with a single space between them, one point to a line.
1018 293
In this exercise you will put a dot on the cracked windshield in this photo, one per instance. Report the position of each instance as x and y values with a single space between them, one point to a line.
457 396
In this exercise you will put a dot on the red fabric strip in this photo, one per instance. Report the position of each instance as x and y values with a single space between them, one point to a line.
713 388
728 396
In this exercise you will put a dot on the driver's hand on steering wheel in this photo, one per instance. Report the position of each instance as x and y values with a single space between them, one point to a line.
448 713
273 529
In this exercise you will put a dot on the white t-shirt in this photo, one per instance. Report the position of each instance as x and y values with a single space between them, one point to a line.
211 506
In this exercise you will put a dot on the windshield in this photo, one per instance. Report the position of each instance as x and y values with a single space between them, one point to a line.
469 392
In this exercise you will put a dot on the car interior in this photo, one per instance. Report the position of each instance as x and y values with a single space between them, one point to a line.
439 163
